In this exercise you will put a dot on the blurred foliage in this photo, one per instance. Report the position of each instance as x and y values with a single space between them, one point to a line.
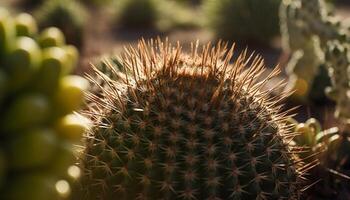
243 20
68 15
97 2
137 13
154 14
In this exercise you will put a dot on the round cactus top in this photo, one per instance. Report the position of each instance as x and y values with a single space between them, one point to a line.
188 126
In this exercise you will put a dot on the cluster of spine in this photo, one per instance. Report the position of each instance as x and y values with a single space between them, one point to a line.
67 15
37 97
316 36
243 20
188 126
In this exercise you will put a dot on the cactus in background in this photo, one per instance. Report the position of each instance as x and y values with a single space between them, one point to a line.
313 20
309 29
187 126
243 20
137 13
37 98
159 15
68 15
306 59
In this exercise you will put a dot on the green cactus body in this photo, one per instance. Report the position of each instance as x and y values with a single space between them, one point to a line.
137 13
187 127
243 20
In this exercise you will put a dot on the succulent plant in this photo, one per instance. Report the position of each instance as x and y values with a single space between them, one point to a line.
137 13
243 20
67 15
312 19
330 147
187 126
37 100
310 29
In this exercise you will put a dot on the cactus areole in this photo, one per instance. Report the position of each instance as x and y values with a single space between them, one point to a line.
188 126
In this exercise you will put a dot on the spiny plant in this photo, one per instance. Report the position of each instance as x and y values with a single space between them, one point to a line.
37 97
243 20
137 13
331 148
68 15
155 14
306 68
307 20
188 126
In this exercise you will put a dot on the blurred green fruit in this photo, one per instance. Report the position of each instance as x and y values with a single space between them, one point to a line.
314 126
26 25
305 137
63 159
72 57
32 149
70 94
72 127
7 31
22 61
25 112
51 37
30 187
53 67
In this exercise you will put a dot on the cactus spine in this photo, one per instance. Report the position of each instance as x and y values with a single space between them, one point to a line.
188 126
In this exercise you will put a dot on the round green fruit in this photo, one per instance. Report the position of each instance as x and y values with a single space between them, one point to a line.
7 31
26 25
70 94
304 137
72 57
32 149
51 37
72 127
22 61
25 112
63 159
314 125
31 187
51 70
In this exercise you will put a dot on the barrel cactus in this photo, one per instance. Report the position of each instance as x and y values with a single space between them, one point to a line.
187 126
37 97
137 13
243 20
68 15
